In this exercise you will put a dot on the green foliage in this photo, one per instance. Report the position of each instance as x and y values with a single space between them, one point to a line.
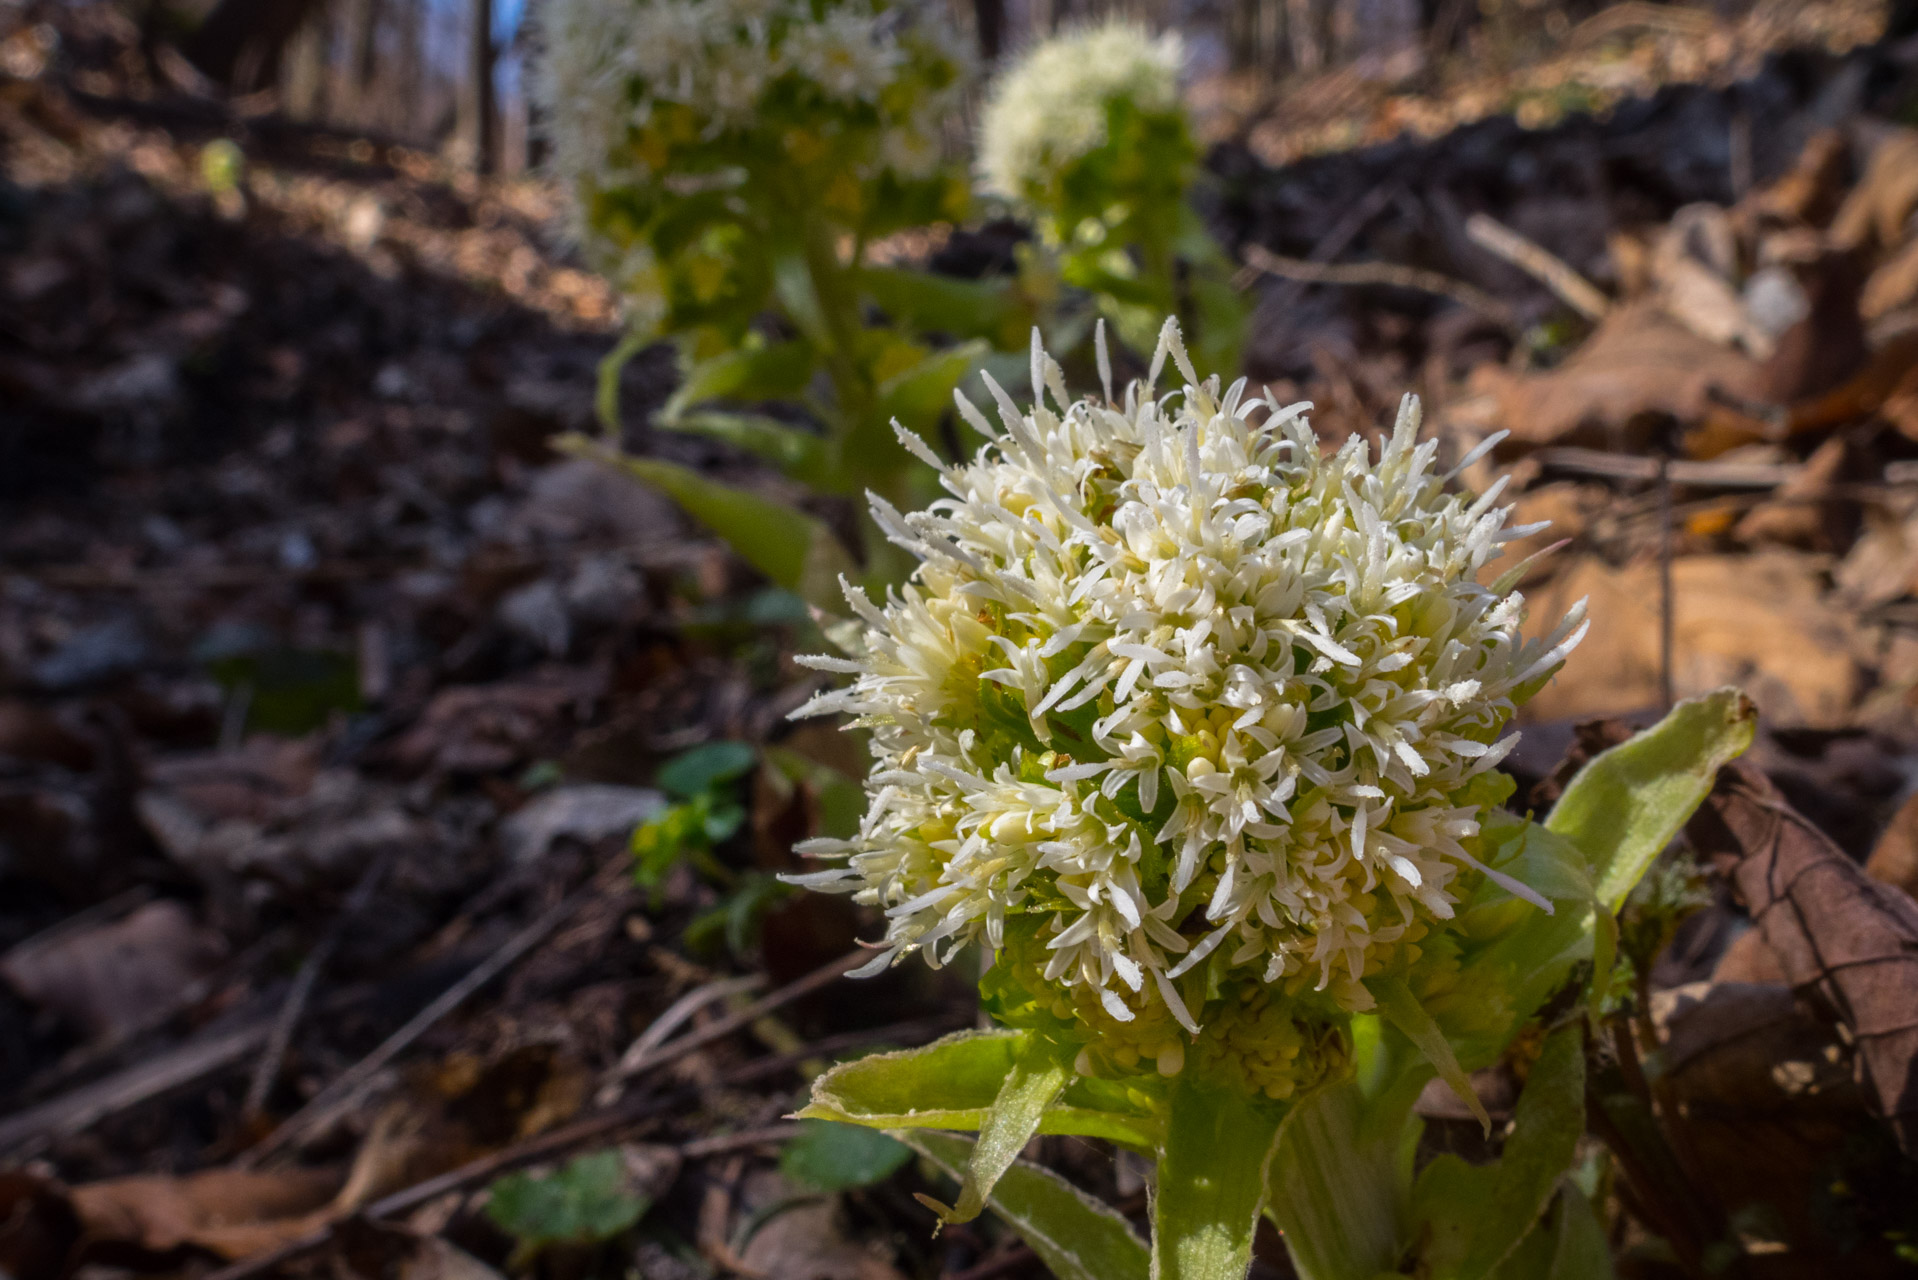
1471 1217
287 691
704 769
1212 1175
954 1083
838 1157
584 1202
1074 1235
1334 1167
733 163
1087 134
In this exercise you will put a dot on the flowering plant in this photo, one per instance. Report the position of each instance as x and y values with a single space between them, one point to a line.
1194 729
1087 133
733 160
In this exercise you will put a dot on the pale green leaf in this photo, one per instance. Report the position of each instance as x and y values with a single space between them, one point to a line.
925 302
951 1084
1545 1133
1041 1069
792 548
796 452
1212 1177
1399 1007
1338 1182
1626 804
918 397
774 371
1473 1217
1074 1235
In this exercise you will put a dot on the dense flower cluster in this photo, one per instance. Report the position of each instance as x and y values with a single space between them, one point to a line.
1180 705
657 102
1050 108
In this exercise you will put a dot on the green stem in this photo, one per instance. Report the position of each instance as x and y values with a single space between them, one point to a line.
1211 1181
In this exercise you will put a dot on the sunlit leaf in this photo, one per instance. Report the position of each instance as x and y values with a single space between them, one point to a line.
951 1084
1338 1182
1627 803
1041 1069
1477 1215
1212 1177
1074 1235
1399 1007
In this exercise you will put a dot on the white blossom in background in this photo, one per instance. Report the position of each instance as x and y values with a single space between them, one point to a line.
607 67
1049 108
1174 683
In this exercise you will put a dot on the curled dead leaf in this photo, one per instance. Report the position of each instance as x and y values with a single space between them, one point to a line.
1846 942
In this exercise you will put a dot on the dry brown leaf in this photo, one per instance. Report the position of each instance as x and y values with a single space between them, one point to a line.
486 728
1748 959
807 1241
1802 513
1844 941
1814 186
1874 214
1767 1099
108 979
1894 859
1892 284
233 1213
1638 361
1758 621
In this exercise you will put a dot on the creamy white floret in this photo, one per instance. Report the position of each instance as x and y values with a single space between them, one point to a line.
1190 577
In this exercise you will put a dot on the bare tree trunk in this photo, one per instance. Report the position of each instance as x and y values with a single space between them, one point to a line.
989 17
303 70
476 125
240 43
1302 24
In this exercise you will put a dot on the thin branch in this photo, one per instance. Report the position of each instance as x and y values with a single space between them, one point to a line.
342 1093
267 1069
1547 268
1258 258
557 1142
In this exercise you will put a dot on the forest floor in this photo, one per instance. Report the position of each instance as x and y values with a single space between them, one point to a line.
330 694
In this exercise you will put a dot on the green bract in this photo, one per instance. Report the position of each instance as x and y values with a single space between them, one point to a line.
1193 728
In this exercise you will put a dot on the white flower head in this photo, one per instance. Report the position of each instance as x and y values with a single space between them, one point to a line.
1171 689
1049 108
610 70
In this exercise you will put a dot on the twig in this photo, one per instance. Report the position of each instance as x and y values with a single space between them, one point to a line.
548 1145
1370 273
1548 269
1667 603
342 1092
267 1069
727 1143
1695 475
665 1024
624 1072
74 1111
1330 245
